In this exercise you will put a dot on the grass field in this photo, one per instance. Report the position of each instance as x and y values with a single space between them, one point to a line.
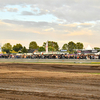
50 61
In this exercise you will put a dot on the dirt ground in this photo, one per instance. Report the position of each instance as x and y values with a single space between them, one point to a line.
49 82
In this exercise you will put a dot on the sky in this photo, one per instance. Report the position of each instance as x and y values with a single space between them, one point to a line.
62 21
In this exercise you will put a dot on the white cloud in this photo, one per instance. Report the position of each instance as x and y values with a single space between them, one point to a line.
69 10
12 9
27 13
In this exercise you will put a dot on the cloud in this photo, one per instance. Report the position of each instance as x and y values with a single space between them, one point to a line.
12 9
69 10
80 33
50 29
42 12
31 23
27 13
85 25
14 33
68 29
35 12
4 9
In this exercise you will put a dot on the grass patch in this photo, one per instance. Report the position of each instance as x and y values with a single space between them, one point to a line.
38 61
95 62
96 73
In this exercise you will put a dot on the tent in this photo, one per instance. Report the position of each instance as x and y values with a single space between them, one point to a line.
88 48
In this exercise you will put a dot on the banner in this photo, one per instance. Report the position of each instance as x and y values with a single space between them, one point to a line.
0 48
47 47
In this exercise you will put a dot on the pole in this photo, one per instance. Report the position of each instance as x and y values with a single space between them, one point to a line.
52 47
47 47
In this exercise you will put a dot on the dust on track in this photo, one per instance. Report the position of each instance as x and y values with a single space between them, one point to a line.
49 82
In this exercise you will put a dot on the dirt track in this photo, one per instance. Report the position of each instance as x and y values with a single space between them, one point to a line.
49 82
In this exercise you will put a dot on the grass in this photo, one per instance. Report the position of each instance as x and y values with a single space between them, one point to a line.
31 61
95 62
69 63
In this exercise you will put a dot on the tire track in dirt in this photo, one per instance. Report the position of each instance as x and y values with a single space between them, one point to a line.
49 82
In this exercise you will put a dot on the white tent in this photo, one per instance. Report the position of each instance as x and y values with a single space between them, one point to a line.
97 53
88 48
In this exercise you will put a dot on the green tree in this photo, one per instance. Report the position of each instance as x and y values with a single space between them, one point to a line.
52 44
41 49
79 45
97 48
51 48
33 45
65 47
71 47
7 47
17 47
24 50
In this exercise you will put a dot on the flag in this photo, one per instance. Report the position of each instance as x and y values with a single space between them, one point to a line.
0 48
47 47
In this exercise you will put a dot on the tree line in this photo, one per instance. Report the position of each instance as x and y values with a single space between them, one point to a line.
52 46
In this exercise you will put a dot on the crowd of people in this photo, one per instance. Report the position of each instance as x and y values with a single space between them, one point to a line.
52 56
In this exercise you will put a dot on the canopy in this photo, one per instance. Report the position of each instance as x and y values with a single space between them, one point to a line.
89 48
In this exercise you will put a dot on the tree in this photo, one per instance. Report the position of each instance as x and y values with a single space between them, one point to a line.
79 45
24 50
17 47
51 48
7 47
52 44
71 47
41 49
97 48
65 47
33 45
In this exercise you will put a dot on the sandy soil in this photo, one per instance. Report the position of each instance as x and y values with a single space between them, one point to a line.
49 82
